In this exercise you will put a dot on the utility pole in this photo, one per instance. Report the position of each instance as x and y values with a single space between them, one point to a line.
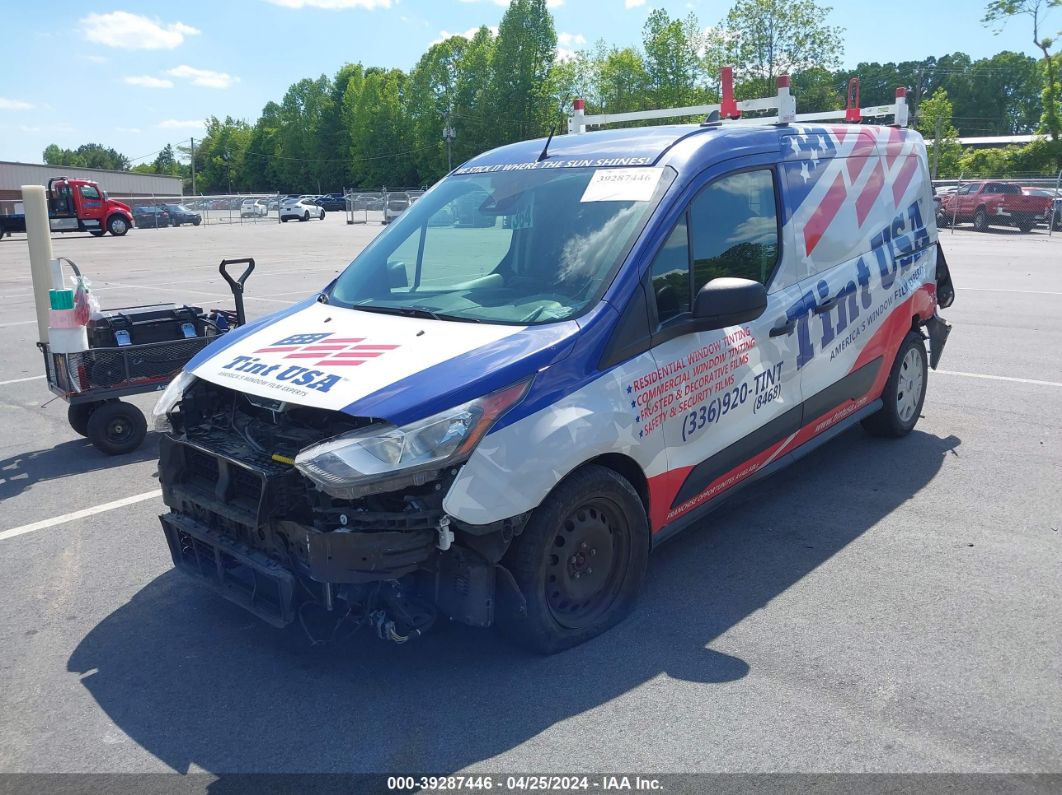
448 135
193 166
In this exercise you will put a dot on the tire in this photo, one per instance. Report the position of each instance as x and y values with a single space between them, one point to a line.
117 225
283 220
905 391
78 414
97 232
321 216
197 222
305 216
980 220
592 511
116 428
1025 224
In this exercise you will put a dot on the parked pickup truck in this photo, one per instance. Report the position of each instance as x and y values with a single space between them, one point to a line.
991 203
77 205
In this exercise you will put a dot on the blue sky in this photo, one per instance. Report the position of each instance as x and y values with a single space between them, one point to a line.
136 76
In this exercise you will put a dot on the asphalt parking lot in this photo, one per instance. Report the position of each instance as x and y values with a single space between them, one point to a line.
883 607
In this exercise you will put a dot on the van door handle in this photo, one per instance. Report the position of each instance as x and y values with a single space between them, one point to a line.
828 305
783 329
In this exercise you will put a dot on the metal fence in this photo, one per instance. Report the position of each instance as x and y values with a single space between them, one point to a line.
379 206
157 212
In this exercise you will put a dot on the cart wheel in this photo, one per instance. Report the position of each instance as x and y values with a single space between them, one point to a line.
116 428
78 415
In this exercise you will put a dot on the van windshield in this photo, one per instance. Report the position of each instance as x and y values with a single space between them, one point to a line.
520 247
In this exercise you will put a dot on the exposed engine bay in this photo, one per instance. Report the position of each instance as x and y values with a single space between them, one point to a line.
252 526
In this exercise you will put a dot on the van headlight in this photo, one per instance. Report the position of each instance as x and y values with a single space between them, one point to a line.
171 396
386 458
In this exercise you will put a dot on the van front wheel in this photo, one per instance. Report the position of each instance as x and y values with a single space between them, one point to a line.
905 391
580 561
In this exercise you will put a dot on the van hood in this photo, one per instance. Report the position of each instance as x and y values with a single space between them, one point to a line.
369 364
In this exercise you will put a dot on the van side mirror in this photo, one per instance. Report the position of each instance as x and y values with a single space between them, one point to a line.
396 275
727 301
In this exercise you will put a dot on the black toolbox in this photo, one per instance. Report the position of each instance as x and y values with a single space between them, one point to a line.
140 325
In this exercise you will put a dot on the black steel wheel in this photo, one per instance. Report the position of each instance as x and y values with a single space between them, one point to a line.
77 414
116 428
580 561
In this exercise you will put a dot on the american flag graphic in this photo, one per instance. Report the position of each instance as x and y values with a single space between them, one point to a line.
326 350
831 167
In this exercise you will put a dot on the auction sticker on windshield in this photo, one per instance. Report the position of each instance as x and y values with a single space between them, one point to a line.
622 185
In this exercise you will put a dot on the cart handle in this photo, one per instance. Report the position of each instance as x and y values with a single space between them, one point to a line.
236 285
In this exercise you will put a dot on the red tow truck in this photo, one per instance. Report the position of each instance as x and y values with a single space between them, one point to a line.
77 205
991 203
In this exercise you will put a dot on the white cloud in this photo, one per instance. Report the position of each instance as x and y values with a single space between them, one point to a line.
147 81
505 3
14 104
569 39
203 77
178 124
633 3
554 3
134 130
332 4
94 58
132 32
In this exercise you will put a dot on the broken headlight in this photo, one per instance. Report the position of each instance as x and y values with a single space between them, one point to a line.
160 415
385 457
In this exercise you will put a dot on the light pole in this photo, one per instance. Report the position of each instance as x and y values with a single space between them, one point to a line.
448 135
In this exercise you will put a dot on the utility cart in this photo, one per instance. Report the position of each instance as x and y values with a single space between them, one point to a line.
94 381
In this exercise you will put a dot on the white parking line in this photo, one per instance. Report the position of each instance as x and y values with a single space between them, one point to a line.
69 517
1005 290
999 378
20 380
197 292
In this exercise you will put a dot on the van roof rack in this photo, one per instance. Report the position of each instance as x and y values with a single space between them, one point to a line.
728 111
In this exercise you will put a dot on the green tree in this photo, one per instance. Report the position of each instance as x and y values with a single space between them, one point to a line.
766 38
304 162
222 155
999 12
381 141
432 94
673 63
473 115
86 156
166 162
522 65
934 122
623 81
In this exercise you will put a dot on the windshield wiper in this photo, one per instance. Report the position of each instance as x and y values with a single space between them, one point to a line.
415 311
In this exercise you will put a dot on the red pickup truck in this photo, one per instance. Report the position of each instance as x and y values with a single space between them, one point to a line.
988 203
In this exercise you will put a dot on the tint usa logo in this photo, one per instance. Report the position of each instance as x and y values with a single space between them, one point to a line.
319 350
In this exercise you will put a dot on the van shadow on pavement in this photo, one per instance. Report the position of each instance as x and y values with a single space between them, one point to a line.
194 679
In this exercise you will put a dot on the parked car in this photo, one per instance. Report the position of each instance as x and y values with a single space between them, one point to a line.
182 214
301 209
332 202
397 203
1053 214
992 203
497 427
254 208
150 216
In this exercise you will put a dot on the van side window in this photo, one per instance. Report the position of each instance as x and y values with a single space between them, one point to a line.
734 228
671 275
